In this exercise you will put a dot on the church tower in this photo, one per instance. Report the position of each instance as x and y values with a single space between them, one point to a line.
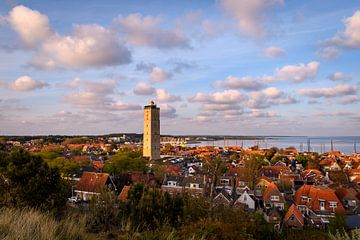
151 138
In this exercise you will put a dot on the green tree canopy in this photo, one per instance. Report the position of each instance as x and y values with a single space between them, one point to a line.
27 180
125 161
303 159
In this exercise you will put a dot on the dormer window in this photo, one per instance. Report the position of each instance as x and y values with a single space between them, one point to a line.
304 198
172 183
274 198
194 185
333 204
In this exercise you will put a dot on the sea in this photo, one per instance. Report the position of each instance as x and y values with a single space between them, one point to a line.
347 145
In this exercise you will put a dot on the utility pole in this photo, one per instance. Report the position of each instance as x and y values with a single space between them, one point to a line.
308 144
301 147
355 147
332 145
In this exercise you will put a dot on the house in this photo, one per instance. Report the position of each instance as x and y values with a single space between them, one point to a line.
273 198
91 184
124 194
272 216
173 184
311 176
247 200
263 182
293 218
274 172
223 199
177 184
334 167
320 199
349 200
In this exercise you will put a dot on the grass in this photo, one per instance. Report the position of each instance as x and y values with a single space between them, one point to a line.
32 224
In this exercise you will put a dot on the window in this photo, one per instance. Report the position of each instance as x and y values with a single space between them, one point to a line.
333 204
304 198
322 205
274 198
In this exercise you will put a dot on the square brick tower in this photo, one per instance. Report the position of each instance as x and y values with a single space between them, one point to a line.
151 139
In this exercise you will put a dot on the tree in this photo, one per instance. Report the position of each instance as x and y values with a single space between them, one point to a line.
254 168
337 224
26 180
125 161
279 157
213 168
270 153
303 159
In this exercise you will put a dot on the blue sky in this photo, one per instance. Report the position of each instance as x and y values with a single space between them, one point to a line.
262 67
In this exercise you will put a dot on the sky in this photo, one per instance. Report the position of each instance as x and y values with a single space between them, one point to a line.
235 67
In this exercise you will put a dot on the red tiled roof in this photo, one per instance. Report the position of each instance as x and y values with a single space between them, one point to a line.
124 193
293 210
280 169
92 182
272 189
316 194
314 171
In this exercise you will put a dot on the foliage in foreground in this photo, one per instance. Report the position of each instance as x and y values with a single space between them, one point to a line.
31 224
28 181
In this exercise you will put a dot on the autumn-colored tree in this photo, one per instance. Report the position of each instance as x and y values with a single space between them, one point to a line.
213 167
254 168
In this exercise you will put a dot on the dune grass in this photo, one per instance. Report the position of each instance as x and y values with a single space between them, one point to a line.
32 224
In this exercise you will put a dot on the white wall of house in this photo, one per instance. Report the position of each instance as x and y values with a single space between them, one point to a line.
246 199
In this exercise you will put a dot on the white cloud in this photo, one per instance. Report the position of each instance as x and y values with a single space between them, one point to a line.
167 111
350 99
32 26
225 97
26 83
247 83
259 114
298 73
146 31
120 106
163 96
86 99
349 38
339 76
144 89
338 90
273 52
220 107
329 53
97 95
89 46
268 97
333 114
250 16
159 75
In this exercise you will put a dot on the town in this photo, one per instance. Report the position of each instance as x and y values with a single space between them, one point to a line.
291 189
